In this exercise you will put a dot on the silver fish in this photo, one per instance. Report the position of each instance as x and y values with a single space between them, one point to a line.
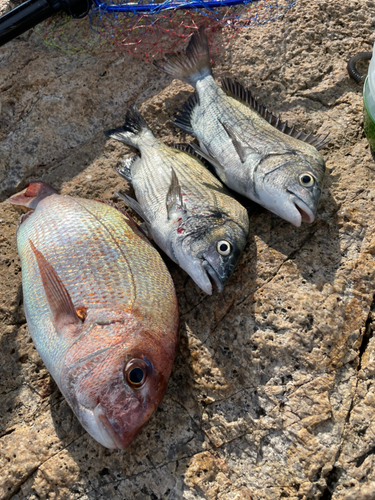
252 151
188 212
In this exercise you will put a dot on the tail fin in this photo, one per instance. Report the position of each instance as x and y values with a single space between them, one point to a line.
130 131
32 194
192 66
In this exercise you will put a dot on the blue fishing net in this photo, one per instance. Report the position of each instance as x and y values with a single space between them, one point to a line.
152 28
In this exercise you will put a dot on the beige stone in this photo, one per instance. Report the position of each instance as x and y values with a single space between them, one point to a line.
272 394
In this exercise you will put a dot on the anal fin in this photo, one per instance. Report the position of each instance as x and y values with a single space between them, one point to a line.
125 170
64 315
183 119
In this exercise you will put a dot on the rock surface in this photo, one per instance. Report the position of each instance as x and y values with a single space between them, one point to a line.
272 394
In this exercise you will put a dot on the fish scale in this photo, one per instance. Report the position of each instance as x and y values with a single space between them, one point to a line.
95 256
153 187
97 274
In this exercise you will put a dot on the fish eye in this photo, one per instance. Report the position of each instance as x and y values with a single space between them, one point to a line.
306 179
136 373
223 247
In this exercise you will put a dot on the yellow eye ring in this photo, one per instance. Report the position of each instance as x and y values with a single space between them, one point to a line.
136 372
223 247
306 179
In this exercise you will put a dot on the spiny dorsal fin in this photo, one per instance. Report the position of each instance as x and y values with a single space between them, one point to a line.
189 150
193 149
182 120
237 91
207 156
134 205
174 195
129 220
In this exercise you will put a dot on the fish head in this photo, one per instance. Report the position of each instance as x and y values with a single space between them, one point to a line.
211 251
291 186
115 383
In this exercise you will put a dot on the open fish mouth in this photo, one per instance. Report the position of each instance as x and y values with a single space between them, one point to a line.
299 211
109 437
307 215
213 276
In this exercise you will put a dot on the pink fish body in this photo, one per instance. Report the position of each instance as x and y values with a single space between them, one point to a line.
101 309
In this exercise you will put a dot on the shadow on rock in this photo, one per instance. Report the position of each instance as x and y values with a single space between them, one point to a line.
313 248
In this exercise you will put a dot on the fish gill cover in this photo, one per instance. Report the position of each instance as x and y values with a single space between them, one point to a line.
150 28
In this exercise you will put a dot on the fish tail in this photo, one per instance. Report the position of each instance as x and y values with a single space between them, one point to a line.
133 126
33 193
191 66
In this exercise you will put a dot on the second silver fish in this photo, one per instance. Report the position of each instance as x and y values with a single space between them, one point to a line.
188 212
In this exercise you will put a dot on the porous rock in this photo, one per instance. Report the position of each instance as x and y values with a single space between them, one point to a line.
272 394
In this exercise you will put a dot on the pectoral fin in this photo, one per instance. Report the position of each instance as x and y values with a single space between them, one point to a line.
174 196
60 303
240 146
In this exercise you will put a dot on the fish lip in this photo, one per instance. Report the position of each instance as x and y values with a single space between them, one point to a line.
213 276
307 215
302 213
109 436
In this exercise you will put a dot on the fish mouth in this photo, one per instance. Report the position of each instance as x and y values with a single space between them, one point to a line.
213 276
307 215
109 437
302 212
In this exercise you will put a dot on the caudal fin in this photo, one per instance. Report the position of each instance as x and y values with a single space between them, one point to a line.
192 66
132 128
32 194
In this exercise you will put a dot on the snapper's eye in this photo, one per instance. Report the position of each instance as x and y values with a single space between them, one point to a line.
223 247
136 372
306 179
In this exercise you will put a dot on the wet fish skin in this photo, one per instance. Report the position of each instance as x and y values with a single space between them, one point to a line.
249 155
101 309
188 212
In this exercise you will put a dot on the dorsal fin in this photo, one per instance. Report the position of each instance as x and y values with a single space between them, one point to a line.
193 149
189 150
134 205
237 91
182 120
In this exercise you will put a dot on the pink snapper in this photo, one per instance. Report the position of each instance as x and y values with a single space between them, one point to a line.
101 309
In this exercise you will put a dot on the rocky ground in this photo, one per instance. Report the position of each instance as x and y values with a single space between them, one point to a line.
272 394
